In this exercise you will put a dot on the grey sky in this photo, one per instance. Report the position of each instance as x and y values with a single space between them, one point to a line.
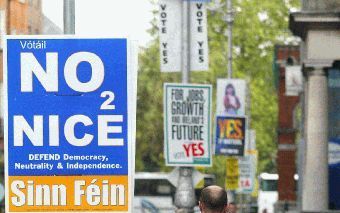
106 17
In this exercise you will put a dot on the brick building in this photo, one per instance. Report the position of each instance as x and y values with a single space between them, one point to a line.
17 17
286 56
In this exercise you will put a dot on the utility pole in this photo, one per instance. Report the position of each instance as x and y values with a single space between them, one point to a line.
185 193
185 62
230 20
69 17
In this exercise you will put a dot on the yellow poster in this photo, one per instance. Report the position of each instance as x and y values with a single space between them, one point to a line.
232 173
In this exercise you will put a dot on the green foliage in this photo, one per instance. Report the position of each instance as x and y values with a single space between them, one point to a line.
149 151
259 25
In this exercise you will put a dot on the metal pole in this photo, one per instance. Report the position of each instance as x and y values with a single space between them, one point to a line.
185 41
185 193
230 20
69 17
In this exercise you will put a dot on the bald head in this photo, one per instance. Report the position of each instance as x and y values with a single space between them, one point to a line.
213 199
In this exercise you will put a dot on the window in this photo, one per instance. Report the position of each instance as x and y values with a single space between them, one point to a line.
269 185
155 187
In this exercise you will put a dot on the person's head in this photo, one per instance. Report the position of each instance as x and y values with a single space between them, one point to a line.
230 90
232 208
213 199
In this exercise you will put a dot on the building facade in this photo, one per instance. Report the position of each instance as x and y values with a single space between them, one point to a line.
286 57
318 25
17 17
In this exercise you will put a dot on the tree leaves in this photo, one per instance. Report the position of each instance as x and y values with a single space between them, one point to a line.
259 25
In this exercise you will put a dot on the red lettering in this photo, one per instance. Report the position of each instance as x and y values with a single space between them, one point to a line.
200 147
187 149
195 149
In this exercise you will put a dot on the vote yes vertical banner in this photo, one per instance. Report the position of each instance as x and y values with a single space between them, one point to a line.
199 49
70 107
170 35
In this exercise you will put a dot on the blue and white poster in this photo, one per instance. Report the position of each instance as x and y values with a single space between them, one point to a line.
69 123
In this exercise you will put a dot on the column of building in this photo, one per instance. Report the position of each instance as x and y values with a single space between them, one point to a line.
316 168
318 26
